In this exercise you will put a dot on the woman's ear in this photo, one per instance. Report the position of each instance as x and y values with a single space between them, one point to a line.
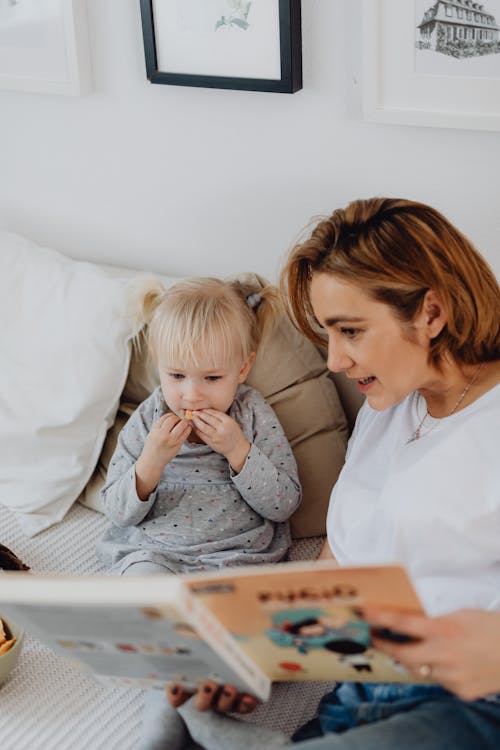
433 315
246 367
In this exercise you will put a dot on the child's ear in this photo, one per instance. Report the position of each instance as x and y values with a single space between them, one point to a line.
246 367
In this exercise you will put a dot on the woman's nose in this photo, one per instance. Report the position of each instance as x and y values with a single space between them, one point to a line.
338 360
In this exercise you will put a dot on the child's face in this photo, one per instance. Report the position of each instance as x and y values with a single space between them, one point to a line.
201 387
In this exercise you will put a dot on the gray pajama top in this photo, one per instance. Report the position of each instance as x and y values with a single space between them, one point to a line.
202 515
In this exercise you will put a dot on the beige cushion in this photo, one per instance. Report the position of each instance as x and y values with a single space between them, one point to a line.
291 373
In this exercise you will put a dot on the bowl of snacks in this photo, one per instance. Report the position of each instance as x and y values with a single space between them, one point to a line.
11 638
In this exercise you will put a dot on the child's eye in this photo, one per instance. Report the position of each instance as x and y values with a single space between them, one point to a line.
176 375
213 378
350 333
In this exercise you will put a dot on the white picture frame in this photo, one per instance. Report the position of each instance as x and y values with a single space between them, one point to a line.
396 90
44 47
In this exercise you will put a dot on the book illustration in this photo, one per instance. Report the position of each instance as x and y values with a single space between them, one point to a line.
305 629
296 627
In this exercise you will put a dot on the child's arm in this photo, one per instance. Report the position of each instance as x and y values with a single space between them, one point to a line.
145 446
268 480
121 503
263 467
161 445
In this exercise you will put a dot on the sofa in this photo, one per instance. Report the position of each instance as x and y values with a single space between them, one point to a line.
74 367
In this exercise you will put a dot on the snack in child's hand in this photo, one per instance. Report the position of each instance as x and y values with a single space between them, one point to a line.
188 413
6 642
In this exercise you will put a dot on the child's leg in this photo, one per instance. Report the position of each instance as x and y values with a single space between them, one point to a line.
220 732
162 726
145 568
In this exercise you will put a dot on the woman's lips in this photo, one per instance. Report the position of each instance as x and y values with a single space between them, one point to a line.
365 383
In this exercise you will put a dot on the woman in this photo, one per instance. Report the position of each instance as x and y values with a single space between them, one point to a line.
412 314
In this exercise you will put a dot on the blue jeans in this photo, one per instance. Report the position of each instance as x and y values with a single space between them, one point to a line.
380 716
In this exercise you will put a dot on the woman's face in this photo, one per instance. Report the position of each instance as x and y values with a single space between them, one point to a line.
387 358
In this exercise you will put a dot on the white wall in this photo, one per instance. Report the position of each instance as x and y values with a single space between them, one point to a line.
192 180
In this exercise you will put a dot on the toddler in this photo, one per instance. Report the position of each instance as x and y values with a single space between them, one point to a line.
203 476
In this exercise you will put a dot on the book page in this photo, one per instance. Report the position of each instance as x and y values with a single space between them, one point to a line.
146 644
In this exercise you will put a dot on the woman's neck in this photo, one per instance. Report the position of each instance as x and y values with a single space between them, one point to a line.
456 386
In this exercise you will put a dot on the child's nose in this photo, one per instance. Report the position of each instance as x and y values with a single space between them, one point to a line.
192 391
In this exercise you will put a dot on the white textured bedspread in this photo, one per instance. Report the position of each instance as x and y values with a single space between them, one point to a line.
47 704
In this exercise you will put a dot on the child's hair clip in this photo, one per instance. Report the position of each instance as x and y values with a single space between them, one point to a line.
254 300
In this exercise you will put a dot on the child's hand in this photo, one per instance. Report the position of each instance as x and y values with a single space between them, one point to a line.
221 433
161 445
222 698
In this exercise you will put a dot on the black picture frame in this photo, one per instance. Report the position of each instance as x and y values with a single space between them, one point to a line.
290 55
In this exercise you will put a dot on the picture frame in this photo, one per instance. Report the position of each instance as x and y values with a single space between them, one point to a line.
417 72
253 45
44 47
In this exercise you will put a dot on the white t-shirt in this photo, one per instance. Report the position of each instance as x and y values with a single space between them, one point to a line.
432 505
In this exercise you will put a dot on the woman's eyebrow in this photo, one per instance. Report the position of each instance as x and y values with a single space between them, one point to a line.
342 319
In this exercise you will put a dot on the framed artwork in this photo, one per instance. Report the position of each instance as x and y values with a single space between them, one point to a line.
44 46
432 63
228 44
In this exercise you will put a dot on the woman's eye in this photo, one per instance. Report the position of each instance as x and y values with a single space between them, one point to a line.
350 332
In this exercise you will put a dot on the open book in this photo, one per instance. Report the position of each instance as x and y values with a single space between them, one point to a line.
244 626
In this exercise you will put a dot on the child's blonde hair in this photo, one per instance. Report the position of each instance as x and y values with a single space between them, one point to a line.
200 317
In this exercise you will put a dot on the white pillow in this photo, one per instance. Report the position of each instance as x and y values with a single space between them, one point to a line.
64 357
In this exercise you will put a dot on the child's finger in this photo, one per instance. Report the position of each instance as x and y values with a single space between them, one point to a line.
206 695
245 704
226 699
167 421
210 417
181 430
204 427
176 694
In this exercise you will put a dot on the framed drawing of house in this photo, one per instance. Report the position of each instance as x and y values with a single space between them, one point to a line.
432 62
44 46
228 44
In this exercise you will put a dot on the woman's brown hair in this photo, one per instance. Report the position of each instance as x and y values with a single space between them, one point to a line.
396 250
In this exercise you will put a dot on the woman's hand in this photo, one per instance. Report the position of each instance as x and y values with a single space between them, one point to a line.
160 447
461 651
221 433
222 698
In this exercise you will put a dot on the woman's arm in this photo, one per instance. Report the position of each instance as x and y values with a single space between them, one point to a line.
326 552
461 650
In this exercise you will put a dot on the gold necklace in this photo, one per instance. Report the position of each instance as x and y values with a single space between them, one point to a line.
418 432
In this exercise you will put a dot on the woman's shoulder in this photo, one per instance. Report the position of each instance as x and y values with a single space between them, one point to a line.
486 406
